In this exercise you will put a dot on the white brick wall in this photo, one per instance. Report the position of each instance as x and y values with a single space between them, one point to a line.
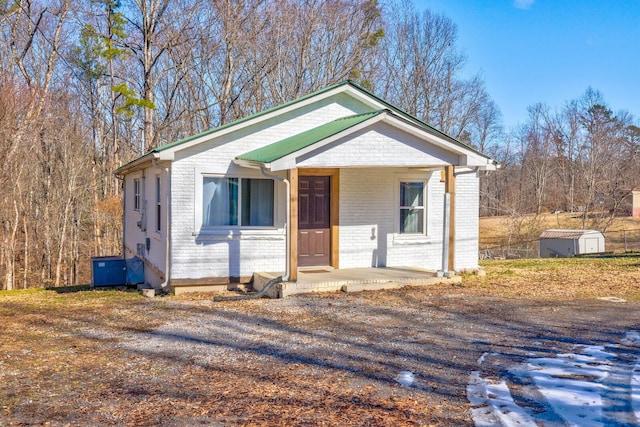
369 220
134 234
467 221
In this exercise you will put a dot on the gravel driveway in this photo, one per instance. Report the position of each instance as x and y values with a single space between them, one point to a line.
357 345
330 359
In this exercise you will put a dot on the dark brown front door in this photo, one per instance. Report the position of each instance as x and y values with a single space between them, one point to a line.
314 241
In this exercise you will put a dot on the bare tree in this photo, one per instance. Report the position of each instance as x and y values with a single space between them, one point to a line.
422 68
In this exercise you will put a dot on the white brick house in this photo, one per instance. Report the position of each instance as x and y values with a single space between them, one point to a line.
337 178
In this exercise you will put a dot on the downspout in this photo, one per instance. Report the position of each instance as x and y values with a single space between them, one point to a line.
287 268
287 271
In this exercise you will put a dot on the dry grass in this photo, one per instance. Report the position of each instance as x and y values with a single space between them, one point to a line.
560 278
573 278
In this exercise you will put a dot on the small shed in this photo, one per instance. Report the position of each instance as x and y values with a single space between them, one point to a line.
568 243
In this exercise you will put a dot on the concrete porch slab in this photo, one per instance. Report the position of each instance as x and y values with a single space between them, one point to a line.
326 279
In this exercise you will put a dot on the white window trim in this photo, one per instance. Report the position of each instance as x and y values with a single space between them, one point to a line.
412 238
230 232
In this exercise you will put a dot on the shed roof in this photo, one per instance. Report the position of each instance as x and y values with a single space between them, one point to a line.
567 234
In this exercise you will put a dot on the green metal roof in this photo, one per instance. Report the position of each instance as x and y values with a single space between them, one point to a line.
277 150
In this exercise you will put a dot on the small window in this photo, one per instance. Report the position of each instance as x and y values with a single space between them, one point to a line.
158 205
412 207
136 194
237 202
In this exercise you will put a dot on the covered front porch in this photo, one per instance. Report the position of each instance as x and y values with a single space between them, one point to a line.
369 198
327 279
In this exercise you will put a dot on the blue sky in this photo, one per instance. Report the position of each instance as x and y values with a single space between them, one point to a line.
549 51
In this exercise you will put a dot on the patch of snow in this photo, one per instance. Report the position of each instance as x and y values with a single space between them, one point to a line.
577 387
578 401
631 337
635 392
492 404
405 378
612 299
597 351
484 355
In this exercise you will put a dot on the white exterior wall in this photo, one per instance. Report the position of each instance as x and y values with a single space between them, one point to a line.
134 223
201 254
379 145
369 220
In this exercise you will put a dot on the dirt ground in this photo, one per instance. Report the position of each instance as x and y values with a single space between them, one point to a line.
116 358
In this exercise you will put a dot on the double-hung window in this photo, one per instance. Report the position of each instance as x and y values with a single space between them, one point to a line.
136 194
412 207
158 205
237 202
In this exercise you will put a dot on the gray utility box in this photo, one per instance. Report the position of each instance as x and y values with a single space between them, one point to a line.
116 271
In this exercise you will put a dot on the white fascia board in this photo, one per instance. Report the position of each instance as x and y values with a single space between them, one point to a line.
251 164
289 161
169 153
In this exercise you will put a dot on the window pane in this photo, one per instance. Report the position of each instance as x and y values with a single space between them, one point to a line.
219 201
257 202
411 194
412 221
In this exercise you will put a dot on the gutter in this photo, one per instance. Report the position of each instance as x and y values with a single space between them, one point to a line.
132 165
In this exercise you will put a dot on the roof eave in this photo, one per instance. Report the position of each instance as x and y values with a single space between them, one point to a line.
136 164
